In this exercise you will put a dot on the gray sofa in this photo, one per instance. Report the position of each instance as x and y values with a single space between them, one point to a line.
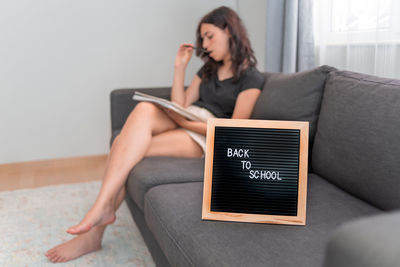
353 195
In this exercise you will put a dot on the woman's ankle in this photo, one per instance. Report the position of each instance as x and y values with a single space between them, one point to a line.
97 233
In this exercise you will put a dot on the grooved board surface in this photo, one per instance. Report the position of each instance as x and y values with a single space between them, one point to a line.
255 170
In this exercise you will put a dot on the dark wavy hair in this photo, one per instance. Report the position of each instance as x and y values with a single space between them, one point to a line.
239 44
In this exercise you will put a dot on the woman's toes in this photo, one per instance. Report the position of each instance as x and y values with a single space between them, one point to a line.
72 230
52 258
79 229
49 255
50 252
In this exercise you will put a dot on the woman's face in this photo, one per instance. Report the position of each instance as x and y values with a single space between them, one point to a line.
216 41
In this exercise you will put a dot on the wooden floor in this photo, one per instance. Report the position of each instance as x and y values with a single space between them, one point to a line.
51 172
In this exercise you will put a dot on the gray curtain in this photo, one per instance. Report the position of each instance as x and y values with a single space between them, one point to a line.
289 45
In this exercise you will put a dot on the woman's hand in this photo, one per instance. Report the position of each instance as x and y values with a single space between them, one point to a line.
178 119
195 126
183 56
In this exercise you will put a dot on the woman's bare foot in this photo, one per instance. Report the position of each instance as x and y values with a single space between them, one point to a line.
78 246
97 216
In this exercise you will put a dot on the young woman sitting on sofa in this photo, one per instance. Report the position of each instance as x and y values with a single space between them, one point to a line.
227 85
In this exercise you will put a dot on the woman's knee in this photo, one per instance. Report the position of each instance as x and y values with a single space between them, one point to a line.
146 108
151 115
143 111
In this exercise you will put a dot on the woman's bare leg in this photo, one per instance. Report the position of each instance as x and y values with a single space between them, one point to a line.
127 150
84 243
171 143
174 143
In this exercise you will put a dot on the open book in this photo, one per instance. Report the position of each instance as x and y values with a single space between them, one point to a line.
138 96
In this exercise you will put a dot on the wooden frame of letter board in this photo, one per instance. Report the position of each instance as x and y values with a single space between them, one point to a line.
300 219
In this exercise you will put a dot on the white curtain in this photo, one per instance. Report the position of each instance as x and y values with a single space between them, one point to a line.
358 35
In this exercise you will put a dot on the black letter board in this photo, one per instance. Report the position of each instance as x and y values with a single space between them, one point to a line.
256 171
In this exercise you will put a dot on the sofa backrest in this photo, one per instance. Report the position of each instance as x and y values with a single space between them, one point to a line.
294 96
357 143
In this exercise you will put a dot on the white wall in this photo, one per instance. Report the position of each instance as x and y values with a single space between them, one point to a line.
254 16
59 60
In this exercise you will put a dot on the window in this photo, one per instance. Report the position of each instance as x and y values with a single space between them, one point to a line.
358 35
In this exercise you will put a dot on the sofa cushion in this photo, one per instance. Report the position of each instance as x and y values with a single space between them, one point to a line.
173 214
354 244
294 96
357 145
154 171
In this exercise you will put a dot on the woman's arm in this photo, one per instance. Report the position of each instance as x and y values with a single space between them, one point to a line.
243 108
245 103
195 126
178 93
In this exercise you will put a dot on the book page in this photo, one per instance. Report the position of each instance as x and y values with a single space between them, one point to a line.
139 96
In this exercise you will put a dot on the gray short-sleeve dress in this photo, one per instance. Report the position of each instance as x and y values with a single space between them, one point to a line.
218 97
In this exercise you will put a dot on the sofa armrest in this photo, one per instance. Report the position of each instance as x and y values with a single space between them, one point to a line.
122 103
370 241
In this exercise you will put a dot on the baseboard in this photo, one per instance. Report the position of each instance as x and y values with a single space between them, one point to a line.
32 174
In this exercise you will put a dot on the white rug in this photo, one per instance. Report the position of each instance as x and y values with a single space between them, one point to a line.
34 220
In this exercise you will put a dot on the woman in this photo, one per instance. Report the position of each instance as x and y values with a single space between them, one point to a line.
228 85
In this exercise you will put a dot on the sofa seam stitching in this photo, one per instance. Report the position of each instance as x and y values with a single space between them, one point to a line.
365 80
